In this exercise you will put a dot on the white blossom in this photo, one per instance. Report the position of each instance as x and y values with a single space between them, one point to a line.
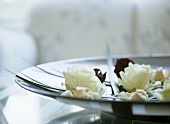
135 76
80 76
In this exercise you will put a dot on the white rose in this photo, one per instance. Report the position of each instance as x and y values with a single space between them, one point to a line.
167 73
135 76
165 93
80 76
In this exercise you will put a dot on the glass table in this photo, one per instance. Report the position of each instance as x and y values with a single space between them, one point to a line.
25 107
20 106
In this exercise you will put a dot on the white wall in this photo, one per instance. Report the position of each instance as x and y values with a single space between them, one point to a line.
76 28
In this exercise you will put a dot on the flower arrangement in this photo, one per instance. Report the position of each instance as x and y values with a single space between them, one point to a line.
138 81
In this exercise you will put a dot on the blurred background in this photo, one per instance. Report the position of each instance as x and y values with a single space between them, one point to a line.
42 31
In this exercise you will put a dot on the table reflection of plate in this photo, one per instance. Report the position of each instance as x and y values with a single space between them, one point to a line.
50 75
